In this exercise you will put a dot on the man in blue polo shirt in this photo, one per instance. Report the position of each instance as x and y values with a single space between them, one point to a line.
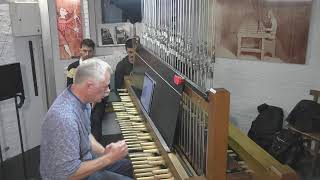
68 149
87 51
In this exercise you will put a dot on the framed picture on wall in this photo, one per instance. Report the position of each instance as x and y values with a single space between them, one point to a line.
69 26
114 34
264 30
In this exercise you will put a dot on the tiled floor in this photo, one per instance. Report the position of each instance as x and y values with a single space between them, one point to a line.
13 168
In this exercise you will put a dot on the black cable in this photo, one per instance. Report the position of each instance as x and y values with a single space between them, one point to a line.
2 165
20 135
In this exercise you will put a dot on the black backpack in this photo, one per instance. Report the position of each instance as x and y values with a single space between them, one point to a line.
287 147
267 123
305 116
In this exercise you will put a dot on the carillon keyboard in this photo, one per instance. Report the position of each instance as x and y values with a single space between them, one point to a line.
143 152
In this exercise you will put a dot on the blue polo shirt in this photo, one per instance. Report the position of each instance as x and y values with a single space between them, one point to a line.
65 137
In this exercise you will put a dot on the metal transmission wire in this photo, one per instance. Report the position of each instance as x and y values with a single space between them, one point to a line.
181 34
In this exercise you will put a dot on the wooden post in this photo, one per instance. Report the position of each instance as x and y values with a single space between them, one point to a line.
217 134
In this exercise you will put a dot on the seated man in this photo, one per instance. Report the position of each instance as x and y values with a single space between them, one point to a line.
125 66
67 147
87 51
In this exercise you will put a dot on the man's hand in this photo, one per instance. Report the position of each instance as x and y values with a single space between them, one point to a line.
110 154
116 151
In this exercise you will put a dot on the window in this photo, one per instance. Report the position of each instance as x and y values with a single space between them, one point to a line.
115 11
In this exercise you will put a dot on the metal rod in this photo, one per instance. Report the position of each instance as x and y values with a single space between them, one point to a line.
21 140
2 165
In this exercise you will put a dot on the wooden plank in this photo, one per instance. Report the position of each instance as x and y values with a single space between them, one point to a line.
197 98
219 103
197 178
264 166
179 168
254 50
314 136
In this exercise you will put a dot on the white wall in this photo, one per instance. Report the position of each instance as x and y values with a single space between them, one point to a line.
8 123
8 120
252 83
15 49
112 55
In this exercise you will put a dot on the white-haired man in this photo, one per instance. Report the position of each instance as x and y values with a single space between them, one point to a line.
68 148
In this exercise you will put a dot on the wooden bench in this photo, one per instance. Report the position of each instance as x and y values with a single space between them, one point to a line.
314 138
251 30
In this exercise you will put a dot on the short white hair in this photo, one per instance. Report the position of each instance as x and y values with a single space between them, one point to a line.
91 69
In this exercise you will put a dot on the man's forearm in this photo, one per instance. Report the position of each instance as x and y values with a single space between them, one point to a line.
113 152
96 147
89 167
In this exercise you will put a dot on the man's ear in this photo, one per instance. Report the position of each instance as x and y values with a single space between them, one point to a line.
89 83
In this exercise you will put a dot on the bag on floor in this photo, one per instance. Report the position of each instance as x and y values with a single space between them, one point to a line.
305 116
287 147
267 123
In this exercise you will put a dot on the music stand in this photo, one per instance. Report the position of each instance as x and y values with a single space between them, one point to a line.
147 93
10 77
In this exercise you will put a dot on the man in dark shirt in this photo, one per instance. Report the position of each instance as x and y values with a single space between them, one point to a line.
86 52
125 66
98 110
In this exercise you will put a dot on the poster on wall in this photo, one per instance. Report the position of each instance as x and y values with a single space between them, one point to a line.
69 28
114 34
264 30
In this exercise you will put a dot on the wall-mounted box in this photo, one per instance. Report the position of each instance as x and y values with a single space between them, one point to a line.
25 18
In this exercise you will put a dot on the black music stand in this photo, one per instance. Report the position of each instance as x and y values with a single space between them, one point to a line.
12 87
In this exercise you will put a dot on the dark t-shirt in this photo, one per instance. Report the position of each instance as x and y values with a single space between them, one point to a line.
123 68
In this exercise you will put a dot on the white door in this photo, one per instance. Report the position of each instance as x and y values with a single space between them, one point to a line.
33 75
16 49
35 104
